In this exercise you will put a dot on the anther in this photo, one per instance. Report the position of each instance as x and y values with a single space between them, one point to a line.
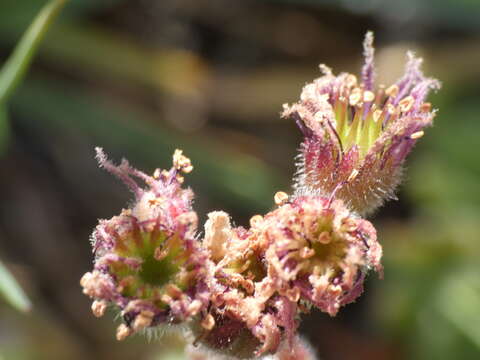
368 96
208 322
181 162
376 115
425 107
324 238
355 96
280 198
123 331
417 135
306 253
99 307
351 81
143 320
256 220
406 103
392 91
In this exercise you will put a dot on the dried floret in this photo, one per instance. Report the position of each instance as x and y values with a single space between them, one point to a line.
319 252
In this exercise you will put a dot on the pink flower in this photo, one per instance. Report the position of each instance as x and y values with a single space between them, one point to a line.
319 252
358 136
147 260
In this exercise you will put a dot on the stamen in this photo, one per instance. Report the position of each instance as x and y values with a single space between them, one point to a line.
355 96
406 104
256 220
280 198
417 135
392 91
99 307
368 96
425 107
123 331
208 322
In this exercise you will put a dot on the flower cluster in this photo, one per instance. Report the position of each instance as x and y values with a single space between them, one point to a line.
241 291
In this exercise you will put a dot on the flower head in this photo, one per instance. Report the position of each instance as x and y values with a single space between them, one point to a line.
357 136
319 252
147 259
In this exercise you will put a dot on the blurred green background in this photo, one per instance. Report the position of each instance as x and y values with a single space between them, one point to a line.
141 78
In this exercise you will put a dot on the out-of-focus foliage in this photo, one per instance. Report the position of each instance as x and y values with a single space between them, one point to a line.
141 78
11 291
433 293
11 75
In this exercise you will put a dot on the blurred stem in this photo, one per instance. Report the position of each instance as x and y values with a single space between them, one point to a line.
17 64
11 291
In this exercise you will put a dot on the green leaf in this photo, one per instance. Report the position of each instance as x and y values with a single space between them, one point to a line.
17 64
12 292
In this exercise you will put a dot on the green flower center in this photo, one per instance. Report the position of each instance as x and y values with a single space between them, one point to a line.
161 259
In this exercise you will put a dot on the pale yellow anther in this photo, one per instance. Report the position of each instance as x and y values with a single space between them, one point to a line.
391 109
174 291
425 107
166 299
99 307
355 96
256 220
406 103
157 173
368 96
123 331
195 307
417 135
164 173
181 162
280 198
180 178
143 320
376 115
351 81
324 238
306 253
352 175
293 294
349 224
159 254
392 91
208 322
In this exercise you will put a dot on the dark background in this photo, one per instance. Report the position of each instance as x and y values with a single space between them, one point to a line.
141 78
